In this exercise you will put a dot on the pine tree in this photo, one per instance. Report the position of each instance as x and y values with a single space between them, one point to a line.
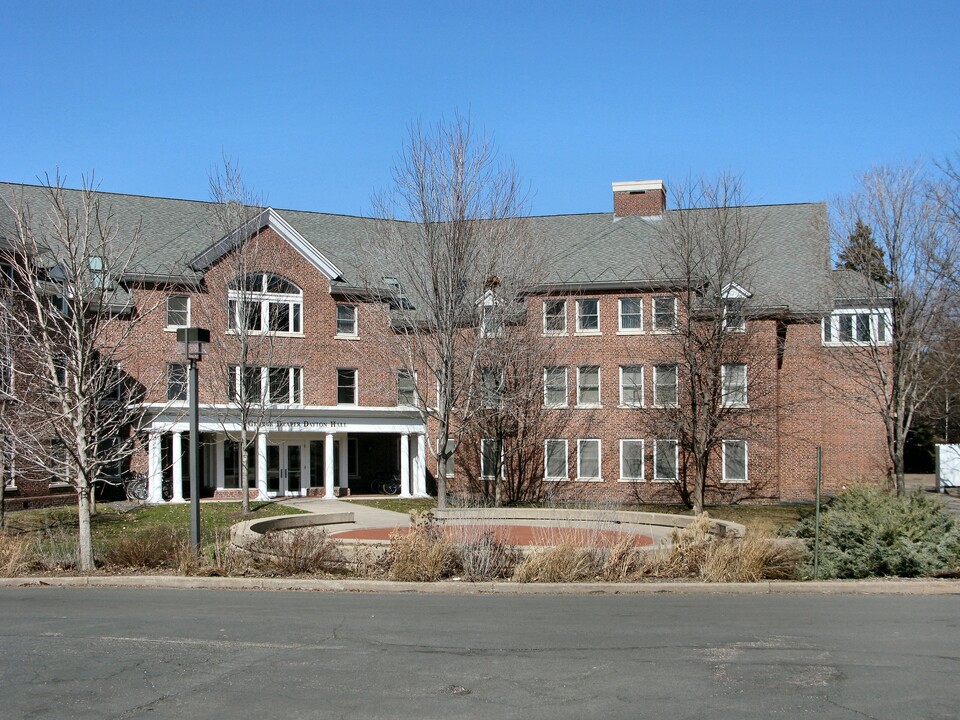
861 253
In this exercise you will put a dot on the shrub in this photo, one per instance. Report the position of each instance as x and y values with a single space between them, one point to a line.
866 531
54 549
302 551
13 551
484 557
423 554
154 548
561 563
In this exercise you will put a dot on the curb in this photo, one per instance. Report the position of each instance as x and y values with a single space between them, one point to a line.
835 587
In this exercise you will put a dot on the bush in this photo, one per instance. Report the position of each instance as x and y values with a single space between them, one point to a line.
562 563
423 554
867 532
13 551
304 551
484 557
153 549
54 549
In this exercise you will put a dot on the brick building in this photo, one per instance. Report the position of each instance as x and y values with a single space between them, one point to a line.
337 415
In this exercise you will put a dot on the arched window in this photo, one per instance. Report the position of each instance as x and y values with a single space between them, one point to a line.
265 303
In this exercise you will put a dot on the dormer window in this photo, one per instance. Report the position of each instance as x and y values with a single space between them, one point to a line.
262 303
734 303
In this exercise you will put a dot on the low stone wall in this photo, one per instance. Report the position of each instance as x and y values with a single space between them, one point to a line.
572 518
242 534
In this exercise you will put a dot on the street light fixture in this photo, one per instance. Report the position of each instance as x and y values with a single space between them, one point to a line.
193 339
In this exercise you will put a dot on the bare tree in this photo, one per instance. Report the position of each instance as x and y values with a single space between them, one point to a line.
507 431
707 336
891 351
450 272
233 299
73 404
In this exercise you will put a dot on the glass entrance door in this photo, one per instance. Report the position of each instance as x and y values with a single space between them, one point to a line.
287 473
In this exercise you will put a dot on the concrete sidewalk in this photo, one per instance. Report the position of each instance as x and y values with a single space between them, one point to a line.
365 517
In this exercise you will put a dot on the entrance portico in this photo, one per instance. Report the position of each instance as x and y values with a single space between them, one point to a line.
303 451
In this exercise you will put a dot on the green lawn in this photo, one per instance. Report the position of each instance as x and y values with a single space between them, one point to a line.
110 521
401 505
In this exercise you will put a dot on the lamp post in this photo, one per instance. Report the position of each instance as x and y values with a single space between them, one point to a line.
193 339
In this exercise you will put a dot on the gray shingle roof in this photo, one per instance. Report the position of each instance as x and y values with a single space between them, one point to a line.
793 263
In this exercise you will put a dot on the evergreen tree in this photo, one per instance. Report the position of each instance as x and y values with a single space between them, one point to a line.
861 253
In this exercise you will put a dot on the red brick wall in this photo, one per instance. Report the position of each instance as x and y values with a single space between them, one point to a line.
649 202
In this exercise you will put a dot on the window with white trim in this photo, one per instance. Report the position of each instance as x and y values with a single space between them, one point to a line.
735 461
588 385
857 327
631 315
555 317
734 385
665 459
665 386
176 381
631 460
491 391
267 304
631 385
664 314
588 316
490 458
588 459
555 386
346 386
555 459
406 387
271 385
57 463
733 318
178 311
450 470
346 320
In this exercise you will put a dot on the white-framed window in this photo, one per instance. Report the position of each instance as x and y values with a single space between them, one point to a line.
588 459
57 463
114 386
664 314
450 470
631 315
346 320
285 385
491 390
734 383
631 460
262 303
857 327
491 316
588 385
631 385
346 386
60 368
406 387
555 386
665 460
588 316
555 317
665 386
272 385
178 311
555 459
735 461
490 458
734 319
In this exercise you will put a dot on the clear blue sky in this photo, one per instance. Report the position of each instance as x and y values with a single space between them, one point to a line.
313 98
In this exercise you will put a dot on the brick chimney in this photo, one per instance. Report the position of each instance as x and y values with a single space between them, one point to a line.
639 197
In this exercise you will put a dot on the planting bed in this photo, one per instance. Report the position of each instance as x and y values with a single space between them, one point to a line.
524 535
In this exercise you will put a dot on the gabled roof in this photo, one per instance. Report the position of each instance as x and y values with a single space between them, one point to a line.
179 238
267 218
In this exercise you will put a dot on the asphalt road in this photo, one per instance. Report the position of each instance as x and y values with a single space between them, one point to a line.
115 653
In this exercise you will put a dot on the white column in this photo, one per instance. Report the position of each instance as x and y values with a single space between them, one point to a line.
154 470
420 467
328 466
342 481
177 467
405 465
261 466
